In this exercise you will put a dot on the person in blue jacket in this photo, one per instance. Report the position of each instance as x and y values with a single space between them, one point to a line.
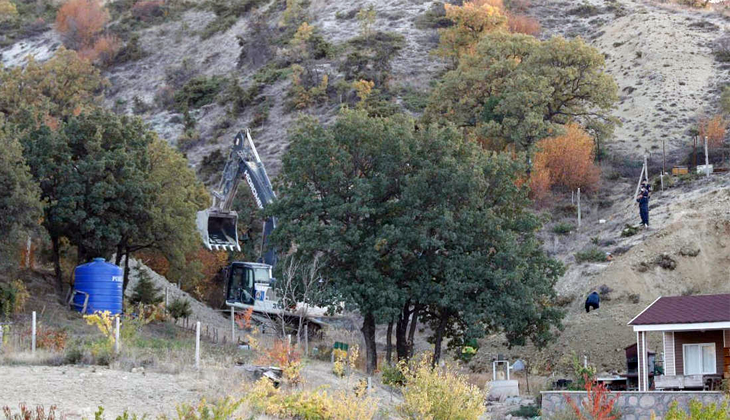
593 301
643 200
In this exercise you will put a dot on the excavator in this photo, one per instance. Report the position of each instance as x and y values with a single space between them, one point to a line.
249 284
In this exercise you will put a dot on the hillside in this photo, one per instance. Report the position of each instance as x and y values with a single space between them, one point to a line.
661 57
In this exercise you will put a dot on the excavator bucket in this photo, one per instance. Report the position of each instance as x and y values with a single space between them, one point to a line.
218 229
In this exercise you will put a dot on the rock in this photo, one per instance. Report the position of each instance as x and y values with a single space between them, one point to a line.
689 250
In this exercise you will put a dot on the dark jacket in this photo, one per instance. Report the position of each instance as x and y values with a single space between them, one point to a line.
643 201
593 299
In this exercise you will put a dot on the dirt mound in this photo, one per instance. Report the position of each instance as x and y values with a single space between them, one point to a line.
201 312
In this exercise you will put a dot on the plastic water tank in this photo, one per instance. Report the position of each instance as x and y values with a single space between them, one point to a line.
103 282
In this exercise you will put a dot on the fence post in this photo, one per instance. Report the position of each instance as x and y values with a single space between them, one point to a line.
707 160
167 296
34 333
233 325
197 345
579 207
116 336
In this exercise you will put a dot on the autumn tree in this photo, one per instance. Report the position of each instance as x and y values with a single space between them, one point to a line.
472 21
20 207
517 90
80 21
8 11
173 197
57 89
567 161
714 129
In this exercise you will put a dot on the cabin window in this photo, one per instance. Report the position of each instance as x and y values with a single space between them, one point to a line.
699 359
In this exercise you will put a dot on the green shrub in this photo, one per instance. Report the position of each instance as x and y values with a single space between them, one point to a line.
392 376
592 254
698 411
227 13
434 18
197 92
12 298
369 57
415 100
179 308
563 228
629 231
131 51
270 74
528 411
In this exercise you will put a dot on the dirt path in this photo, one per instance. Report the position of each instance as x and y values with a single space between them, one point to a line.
78 391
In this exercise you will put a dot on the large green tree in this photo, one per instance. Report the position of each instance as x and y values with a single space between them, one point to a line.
20 207
91 171
479 267
516 90
411 222
338 194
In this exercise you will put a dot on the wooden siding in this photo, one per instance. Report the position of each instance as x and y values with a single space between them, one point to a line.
696 337
669 363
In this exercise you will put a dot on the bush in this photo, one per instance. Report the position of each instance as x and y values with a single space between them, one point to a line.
148 11
104 51
145 291
39 413
563 228
528 411
264 398
132 51
12 298
698 411
434 18
50 338
714 129
438 393
79 21
598 404
629 231
721 49
521 24
197 92
8 11
568 160
308 88
592 254
392 376
179 308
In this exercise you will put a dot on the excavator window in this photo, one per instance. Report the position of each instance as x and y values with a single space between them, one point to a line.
241 285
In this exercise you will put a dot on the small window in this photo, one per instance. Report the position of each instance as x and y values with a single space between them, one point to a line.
699 359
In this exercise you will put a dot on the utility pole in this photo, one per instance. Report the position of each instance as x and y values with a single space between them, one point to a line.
707 160
578 207
664 158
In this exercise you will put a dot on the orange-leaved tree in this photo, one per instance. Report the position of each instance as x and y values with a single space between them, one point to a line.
80 21
521 24
598 404
471 22
714 129
566 161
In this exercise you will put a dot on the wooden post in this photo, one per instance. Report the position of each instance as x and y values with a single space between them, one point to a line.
664 159
116 336
33 328
707 160
572 197
579 207
694 154
306 340
197 345
233 324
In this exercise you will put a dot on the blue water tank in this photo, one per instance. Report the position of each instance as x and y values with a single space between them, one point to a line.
103 282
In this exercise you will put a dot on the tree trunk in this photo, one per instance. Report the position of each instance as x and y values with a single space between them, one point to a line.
412 330
389 345
126 270
401 327
118 257
368 332
439 338
57 264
